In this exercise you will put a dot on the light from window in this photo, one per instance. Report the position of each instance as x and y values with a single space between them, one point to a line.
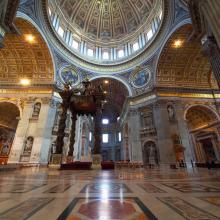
90 136
75 44
121 53
60 31
90 52
150 34
105 121
49 11
119 136
105 55
105 138
136 46
161 14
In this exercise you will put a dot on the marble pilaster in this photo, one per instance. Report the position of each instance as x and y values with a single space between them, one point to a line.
21 134
184 134
165 143
42 131
134 135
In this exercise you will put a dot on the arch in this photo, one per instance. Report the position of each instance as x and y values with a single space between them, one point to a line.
14 103
199 116
9 115
115 94
27 18
182 23
185 65
26 56
202 105
130 92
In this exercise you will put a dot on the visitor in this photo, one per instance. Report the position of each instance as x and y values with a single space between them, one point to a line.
213 164
208 165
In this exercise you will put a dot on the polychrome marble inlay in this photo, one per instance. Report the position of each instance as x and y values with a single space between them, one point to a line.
134 194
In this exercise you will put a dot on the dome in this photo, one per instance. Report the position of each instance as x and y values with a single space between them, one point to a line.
105 30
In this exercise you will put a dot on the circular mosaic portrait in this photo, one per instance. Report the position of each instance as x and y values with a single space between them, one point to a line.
140 77
69 75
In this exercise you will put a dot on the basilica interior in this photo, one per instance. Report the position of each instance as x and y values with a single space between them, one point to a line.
110 109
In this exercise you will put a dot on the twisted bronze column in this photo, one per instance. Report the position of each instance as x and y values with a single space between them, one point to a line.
72 134
61 128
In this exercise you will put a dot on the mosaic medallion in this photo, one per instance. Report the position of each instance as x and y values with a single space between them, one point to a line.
113 208
69 75
140 77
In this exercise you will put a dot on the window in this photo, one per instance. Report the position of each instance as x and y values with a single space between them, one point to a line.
105 121
60 31
105 55
136 46
105 138
90 136
119 136
150 34
75 44
121 53
90 52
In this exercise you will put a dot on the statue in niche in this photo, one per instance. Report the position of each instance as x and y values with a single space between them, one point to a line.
36 111
53 148
28 144
171 112
5 148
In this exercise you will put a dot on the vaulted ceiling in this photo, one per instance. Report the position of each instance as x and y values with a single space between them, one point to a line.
8 115
106 19
185 66
25 55
199 116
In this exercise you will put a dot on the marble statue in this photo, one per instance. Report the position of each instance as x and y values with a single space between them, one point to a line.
171 112
28 144
36 111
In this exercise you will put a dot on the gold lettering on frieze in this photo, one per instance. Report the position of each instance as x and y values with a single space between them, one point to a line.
29 91
136 102
189 95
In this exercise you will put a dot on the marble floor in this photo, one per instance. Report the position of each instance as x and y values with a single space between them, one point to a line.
138 194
